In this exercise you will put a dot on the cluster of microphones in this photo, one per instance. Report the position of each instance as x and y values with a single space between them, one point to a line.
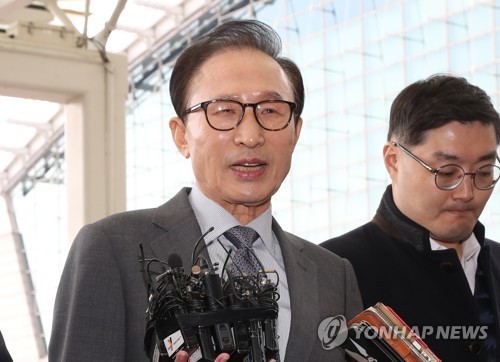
206 314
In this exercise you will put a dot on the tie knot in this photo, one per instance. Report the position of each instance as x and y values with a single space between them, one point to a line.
241 236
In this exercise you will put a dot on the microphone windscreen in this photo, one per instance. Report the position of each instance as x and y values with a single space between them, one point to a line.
195 270
175 261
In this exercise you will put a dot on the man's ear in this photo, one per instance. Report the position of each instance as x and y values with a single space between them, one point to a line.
178 130
298 128
391 159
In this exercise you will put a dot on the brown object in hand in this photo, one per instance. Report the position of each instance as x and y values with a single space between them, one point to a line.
392 335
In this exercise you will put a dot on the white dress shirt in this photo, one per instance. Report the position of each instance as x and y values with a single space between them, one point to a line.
210 214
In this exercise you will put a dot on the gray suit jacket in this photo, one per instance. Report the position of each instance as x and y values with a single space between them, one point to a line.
100 309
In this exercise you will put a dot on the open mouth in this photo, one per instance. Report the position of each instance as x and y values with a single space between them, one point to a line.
248 167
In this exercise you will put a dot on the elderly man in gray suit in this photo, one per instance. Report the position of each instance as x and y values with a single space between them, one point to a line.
238 105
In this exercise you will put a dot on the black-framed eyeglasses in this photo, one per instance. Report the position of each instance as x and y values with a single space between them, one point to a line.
450 176
226 114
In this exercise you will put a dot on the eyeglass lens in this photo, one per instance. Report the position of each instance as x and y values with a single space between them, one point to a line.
450 176
225 115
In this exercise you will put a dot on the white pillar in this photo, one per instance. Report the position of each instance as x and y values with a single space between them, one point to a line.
94 94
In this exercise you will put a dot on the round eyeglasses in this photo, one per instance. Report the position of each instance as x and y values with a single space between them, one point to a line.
225 115
449 177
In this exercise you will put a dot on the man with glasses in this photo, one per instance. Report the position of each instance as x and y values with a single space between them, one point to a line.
425 253
238 104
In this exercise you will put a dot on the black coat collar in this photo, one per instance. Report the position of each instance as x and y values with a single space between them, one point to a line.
393 222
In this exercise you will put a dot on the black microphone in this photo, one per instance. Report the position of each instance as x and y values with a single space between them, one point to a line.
197 303
164 304
198 243
175 263
216 301
180 282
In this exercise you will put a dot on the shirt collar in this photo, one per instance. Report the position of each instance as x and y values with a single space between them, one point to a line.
210 214
469 247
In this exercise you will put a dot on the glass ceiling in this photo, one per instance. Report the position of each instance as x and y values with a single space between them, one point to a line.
123 26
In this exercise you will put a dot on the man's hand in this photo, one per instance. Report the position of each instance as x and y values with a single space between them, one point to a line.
183 356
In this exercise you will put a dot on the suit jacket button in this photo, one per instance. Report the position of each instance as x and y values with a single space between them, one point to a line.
447 266
475 347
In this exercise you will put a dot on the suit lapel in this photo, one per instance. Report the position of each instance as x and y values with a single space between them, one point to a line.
302 280
178 229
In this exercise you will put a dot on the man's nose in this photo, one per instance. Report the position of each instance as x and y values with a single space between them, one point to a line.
249 132
466 188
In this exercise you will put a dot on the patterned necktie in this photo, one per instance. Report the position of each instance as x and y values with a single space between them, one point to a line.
244 261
